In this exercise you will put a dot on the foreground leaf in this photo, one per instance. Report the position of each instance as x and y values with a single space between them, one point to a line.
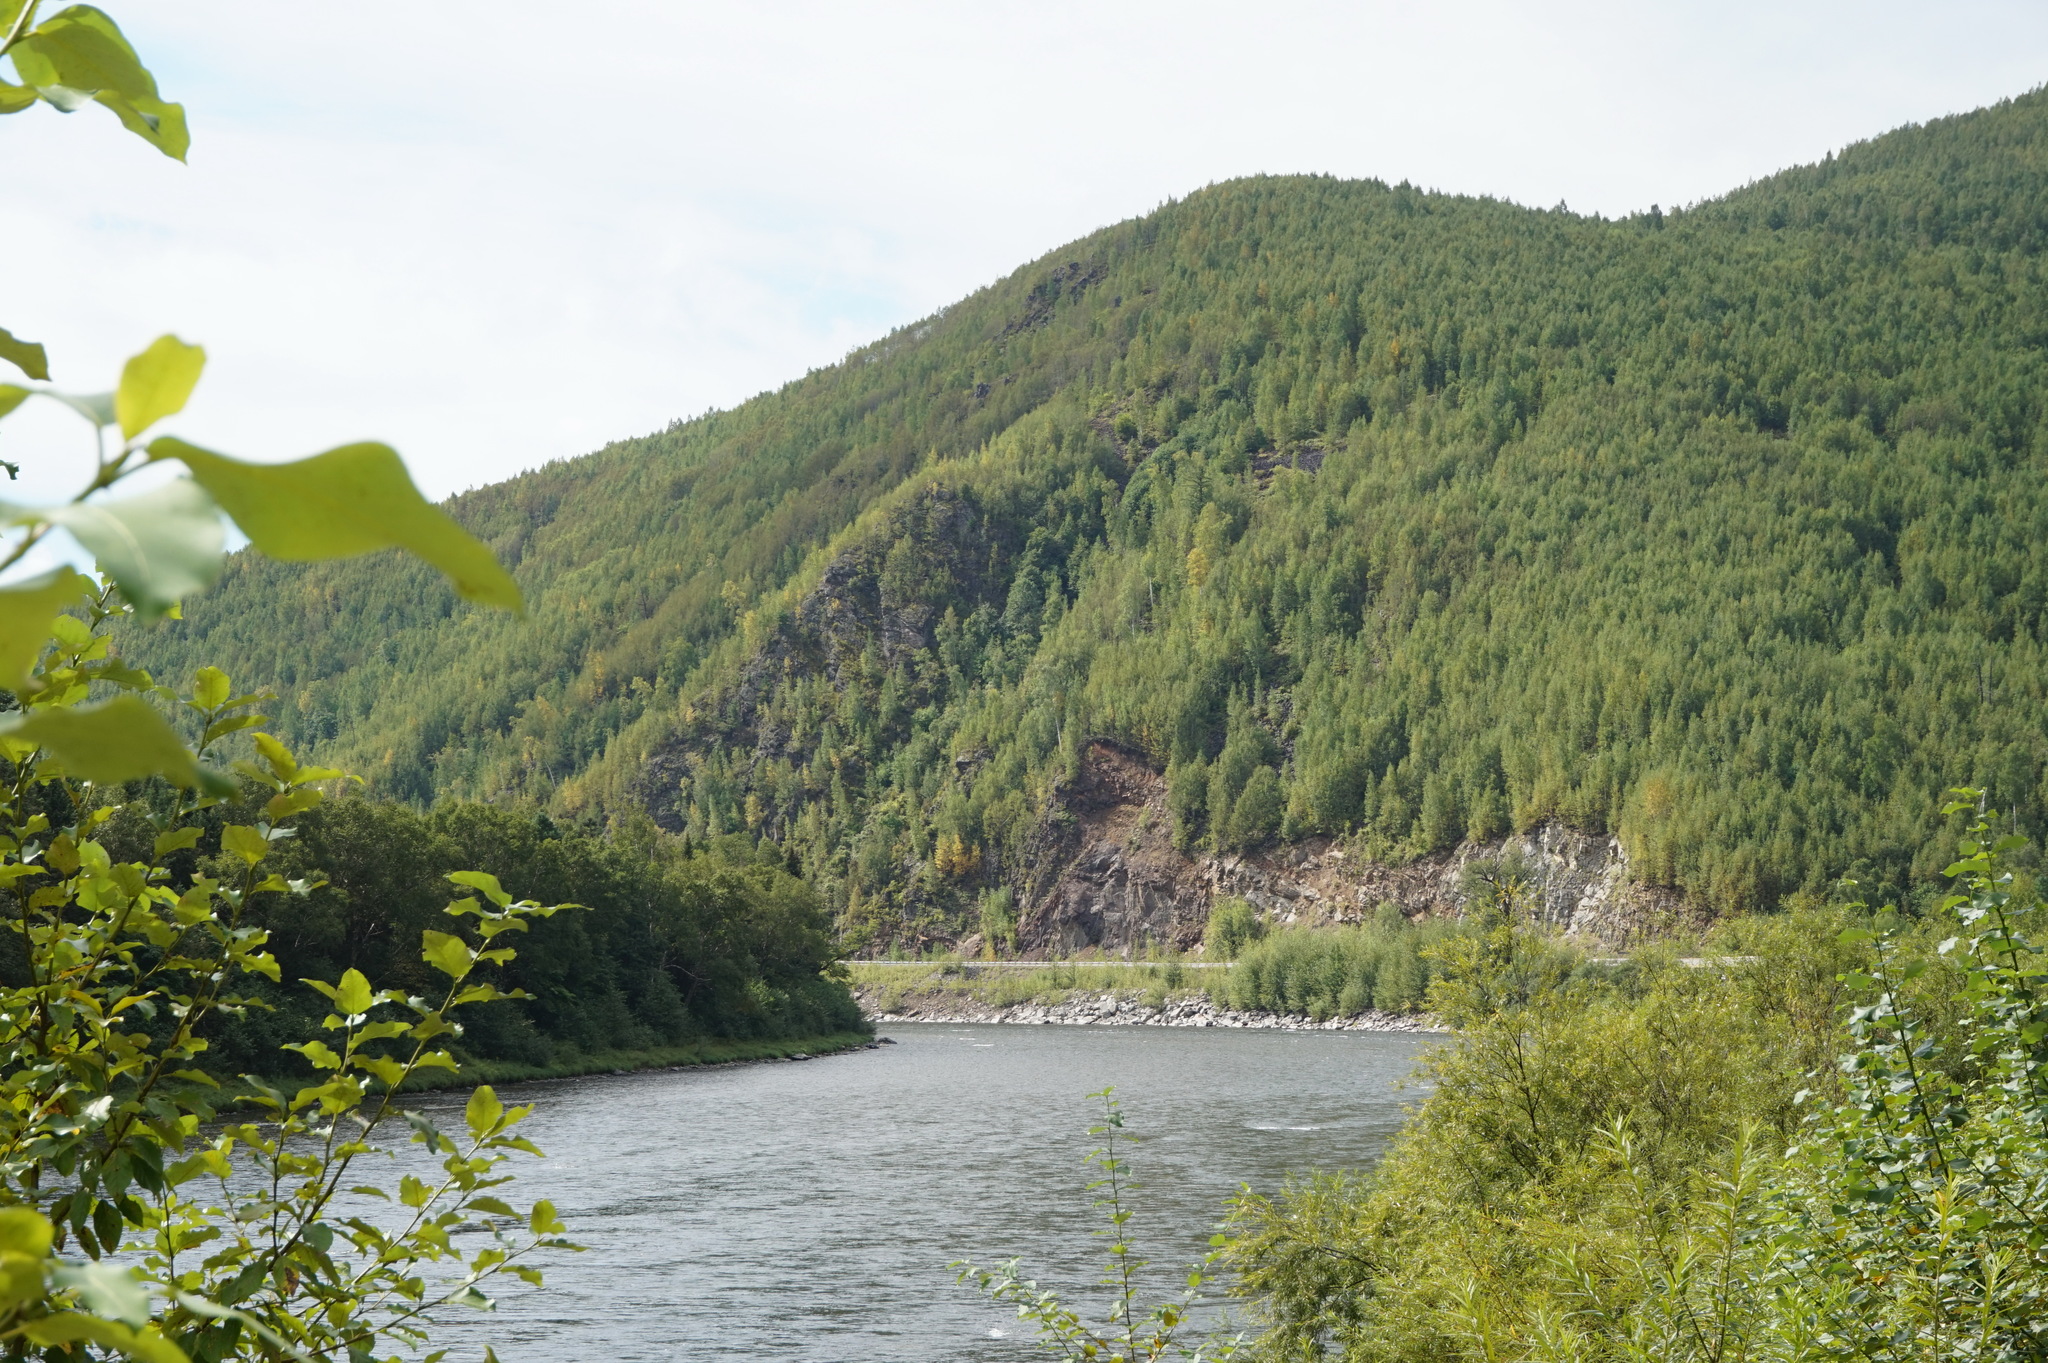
483 1112
71 1327
448 954
156 384
80 54
158 547
348 501
26 612
27 356
121 740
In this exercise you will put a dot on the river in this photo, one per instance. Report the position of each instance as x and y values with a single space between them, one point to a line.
809 1210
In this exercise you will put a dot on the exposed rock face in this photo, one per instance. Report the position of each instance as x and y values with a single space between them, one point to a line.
858 607
1103 872
1105 875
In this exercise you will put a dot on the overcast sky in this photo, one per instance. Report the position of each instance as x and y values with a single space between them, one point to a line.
498 234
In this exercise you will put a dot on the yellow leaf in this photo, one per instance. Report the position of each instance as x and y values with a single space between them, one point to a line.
156 384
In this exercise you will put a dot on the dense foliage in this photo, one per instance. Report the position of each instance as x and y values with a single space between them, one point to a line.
1335 972
675 946
1356 509
1661 1163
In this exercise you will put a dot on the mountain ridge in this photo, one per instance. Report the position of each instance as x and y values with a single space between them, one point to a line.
1359 512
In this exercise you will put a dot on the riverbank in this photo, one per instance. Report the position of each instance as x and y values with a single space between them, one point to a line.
709 1052
1114 1008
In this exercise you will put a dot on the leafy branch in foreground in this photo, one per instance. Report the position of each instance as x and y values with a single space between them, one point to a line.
1124 1336
259 1236
254 1238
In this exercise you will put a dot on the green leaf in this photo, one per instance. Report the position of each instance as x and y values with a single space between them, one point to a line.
282 764
385 1068
348 501
15 98
158 546
12 395
246 843
26 612
544 1221
24 1231
176 840
354 995
210 688
21 1274
80 52
123 739
156 384
71 1327
447 954
27 356
318 1052
115 1293
484 881
483 1112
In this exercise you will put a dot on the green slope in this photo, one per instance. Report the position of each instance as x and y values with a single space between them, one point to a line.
1357 509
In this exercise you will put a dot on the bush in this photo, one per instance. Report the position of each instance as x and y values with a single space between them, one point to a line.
999 919
1233 924
1658 1163
1334 972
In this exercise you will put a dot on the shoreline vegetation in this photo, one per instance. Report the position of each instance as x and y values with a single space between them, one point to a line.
1159 994
1371 977
1112 1008
711 1051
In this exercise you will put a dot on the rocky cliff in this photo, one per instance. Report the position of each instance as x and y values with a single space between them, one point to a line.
1105 875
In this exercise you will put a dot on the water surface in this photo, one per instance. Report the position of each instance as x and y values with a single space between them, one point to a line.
808 1211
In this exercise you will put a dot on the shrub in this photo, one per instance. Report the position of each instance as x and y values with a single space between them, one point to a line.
1335 972
1233 924
1649 1164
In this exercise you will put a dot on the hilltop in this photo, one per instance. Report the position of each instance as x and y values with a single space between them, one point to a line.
1302 521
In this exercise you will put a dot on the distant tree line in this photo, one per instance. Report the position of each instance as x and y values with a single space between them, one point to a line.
672 944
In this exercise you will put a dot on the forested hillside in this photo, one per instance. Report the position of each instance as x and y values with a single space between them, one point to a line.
1355 509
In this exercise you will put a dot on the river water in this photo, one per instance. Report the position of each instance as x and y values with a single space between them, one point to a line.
809 1210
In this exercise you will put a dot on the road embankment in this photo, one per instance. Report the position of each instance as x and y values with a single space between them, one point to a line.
1112 1008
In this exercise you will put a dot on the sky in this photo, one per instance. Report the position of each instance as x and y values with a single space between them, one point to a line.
500 234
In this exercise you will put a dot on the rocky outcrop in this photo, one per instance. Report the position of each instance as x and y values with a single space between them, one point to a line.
1104 875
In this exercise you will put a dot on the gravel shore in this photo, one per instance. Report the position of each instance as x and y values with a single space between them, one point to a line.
1098 1009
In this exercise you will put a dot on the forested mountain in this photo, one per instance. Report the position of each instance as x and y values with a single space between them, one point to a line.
1354 509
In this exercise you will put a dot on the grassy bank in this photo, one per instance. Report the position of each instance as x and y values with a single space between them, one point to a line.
887 986
1384 965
